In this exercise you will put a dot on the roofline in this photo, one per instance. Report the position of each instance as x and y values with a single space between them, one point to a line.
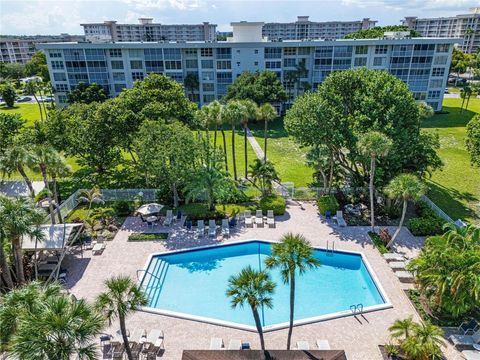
158 24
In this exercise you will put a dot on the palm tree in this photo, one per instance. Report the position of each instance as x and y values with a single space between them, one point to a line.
234 113
92 196
374 145
292 255
122 297
31 88
254 288
465 94
222 119
263 173
402 328
301 72
58 168
406 187
204 185
17 158
250 113
215 118
266 113
19 217
425 342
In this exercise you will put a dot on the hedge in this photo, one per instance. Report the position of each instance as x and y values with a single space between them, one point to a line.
428 223
327 203
147 237
377 242
273 202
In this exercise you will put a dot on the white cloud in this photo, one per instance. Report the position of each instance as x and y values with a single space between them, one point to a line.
414 5
164 4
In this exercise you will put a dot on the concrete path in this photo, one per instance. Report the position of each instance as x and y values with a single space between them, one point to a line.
256 147
19 188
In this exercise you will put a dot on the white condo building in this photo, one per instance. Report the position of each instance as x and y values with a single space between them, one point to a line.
304 29
422 63
465 26
147 30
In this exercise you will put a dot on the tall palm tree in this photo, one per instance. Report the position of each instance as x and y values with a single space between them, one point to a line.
402 328
234 113
122 297
425 342
266 113
406 187
17 158
250 114
31 88
293 255
222 119
263 173
254 288
204 184
215 118
19 217
58 168
373 144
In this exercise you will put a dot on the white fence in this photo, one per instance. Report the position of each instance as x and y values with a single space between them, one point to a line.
437 210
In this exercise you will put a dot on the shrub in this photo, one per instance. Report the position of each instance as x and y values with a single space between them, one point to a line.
273 202
147 237
122 208
327 203
426 226
378 242
43 194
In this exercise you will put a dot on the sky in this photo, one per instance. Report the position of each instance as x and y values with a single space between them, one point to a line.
30 17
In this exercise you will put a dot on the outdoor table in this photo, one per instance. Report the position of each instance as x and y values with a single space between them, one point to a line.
151 220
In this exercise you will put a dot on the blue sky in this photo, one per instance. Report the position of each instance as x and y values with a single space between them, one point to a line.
64 16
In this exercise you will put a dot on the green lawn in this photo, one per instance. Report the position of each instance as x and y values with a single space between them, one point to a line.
29 112
455 188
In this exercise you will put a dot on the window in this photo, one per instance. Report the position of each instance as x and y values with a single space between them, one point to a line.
290 51
378 61
191 63
191 51
255 51
381 49
136 53
59 76
154 66
55 55
360 61
255 63
208 98
273 64
118 76
419 95
136 64
303 51
207 64
62 99
57 65
434 94
137 76
224 65
206 52
224 78
438 72
224 53
208 87
208 75
173 65
436 83
178 77
443 48
119 87
434 105
273 53
115 53
361 50
117 64
153 54
440 60
172 54
61 87
289 62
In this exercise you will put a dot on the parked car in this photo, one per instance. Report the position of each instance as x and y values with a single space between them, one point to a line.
24 98
446 91
45 99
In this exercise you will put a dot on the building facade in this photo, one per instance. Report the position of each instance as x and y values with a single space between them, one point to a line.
466 27
422 63
303 29
147 30
20 50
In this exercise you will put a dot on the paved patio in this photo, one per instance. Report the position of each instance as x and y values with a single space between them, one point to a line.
358 337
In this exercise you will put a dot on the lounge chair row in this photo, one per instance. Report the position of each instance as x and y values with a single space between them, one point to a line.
258 219
322 344
234 344
140 343
212 228
464 340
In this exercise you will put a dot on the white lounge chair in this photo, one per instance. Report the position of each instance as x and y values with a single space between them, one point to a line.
248 218
98 248
323 344
405 276
303 345
397 265
466 340
471 354
200 228
154 342
225 228
270 218
235 344
212 228
169 218
340 220
216 343
259 218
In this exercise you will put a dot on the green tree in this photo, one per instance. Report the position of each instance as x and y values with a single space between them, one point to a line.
19 217
378 32
191 84
425 342
402 329
10 127
293 255
250 114
407 187
12 71
37 65
87 93
465 94
263 173
374 145
458 64
121 298
58 167
8 94
234 113
32 88
18 157
266 113
473 140
254 288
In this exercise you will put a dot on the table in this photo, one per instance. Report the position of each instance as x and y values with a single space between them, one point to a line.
151 220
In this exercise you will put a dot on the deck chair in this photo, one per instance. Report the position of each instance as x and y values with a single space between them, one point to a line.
303 345
468 327
259 218
248 218
340 220
216 343
169 218
323 344
200 228
225 228
466 340
270 218
235 344
212 228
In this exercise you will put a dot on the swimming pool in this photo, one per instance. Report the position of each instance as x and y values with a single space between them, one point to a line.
192 284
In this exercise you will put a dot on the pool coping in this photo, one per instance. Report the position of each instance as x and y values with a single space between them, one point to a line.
339 314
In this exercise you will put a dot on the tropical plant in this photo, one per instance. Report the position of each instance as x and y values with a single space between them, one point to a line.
234 113
266 113
402 329
18 157
473 140
32 88
10 127
373 144
425 342
263 173
407 187
19 217
122 298
87 93
205 184
254 288
249 114
465 94
293 255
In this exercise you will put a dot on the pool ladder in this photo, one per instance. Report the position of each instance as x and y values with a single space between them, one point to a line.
331 250
357 309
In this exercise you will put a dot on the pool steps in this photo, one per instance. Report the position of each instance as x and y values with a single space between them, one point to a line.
153 280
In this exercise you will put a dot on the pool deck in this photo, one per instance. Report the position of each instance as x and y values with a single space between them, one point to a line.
359 337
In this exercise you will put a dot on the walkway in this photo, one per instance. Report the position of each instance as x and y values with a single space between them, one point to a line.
256 147
19 188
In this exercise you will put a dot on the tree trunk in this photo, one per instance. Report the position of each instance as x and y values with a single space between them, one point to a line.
372 205
468 100
292 309
330 176
5 269
215 145
233 153
265 135
123 329
175 195
245 149
45 181
402 219
256 317
22 172
18 254
57 201
39 106
225 150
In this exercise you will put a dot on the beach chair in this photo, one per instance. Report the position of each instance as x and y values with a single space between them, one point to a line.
259 218
225 228
118 348
393 257
248 218
200 228
270 218
303 345
169 218
466 340
212 228
340 220
323 344
98 248
469 327
153 343
235 344
216 343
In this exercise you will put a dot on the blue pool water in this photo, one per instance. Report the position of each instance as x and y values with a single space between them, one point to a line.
194 282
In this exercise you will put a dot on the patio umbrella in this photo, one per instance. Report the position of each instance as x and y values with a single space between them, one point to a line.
148 209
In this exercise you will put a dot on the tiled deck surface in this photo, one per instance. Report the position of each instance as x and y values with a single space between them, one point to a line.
358 337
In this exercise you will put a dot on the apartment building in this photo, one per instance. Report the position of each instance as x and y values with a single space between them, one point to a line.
465 26
304 29
21 49
147 30
422 63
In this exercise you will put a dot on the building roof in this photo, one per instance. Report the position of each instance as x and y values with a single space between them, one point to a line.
56 237
268 355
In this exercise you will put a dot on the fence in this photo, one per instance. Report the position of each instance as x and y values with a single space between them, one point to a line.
437 210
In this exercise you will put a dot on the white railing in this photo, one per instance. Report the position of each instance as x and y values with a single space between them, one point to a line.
437 210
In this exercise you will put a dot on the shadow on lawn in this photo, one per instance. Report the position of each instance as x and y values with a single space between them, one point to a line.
275 129
451 118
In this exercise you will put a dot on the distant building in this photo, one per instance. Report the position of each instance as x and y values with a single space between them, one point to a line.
20 49
466 27
304 29
147 30
422 63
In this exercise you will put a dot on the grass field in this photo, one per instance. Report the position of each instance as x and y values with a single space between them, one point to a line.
29 112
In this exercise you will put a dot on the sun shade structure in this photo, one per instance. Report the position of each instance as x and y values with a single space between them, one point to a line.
268 354
56 237
147 209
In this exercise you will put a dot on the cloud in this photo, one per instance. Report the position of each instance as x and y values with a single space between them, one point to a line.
414 5
164 4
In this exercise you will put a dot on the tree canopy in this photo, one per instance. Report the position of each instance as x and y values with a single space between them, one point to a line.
473 140
8 94
378 31
352 102
37 65
87 93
